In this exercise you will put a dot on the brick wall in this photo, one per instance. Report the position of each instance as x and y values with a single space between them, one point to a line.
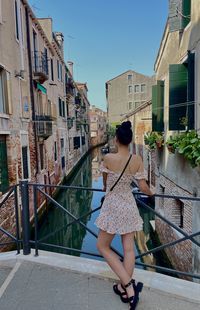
180 213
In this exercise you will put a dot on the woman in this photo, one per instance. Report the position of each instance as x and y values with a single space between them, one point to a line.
119 213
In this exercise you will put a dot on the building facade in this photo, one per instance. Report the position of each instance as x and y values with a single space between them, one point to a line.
176 110
37 95
141 120
98 126
125 93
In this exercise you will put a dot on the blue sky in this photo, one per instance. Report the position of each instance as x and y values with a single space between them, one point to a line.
105 38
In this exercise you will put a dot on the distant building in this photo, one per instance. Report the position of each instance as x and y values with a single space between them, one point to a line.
98 126
125 93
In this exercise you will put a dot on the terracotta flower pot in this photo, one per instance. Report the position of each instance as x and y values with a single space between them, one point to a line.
170 148
159 144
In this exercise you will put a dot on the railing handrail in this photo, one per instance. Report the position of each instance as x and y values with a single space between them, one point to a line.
38 187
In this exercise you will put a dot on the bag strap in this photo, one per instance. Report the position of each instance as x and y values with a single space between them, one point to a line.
121 173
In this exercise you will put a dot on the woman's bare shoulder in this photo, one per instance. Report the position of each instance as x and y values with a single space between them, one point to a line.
109 157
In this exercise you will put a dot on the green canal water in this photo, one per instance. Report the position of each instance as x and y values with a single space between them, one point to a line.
79 202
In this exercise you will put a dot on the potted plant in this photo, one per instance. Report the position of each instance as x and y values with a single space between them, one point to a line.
189 147
153 139
172 144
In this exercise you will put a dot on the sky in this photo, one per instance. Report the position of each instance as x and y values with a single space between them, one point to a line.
105 38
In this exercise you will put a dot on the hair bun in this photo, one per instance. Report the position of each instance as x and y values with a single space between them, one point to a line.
126 125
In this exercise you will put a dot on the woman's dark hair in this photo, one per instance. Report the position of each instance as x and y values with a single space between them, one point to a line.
124 133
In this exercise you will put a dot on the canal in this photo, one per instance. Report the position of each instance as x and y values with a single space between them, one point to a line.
79 202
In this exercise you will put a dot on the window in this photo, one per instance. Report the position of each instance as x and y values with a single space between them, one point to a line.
137 104
2 93
52 72
59 67
46 61
16 20
1 11
129 89
179 14
61 73
25 162
21 20
55 151
76 142
143 88
130 77
62 152
35 51
41 152
130 105
137 88
4 182
158 106
178 213
5 92
181 92
61 104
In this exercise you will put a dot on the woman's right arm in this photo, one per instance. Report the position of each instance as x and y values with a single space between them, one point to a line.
144 188
141 179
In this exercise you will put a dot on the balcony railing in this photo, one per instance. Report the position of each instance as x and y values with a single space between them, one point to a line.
44 126
40 67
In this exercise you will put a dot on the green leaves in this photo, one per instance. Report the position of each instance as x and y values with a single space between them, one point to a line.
188 145
153 139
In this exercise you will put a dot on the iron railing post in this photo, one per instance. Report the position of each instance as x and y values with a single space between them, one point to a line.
25 217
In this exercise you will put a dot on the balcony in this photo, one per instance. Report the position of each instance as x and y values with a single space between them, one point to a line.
69 87
44 126
40 67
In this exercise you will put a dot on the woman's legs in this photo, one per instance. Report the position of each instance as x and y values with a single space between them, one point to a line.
129 255
103 245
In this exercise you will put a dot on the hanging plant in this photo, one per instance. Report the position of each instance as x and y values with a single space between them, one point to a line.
187 144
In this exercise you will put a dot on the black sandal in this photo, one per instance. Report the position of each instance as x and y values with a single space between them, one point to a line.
133 300
121 294
137 288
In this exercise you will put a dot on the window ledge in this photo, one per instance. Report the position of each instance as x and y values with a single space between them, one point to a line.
4 115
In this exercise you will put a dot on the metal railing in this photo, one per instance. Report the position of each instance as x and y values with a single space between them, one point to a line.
14 240
27 243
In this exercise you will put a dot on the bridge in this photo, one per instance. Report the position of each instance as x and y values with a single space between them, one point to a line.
31 278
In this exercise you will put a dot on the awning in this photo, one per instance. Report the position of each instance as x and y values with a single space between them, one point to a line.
42 88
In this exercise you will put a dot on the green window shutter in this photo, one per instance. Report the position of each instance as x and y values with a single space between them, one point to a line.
175 19
158 106
178 80
4 183
186 12
191 90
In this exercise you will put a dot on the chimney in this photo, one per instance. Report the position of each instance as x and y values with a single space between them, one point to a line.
70 67
60 39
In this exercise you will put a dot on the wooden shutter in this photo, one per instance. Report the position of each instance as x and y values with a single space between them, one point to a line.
158 106
191 90
4 182
178 79
186 12
25 162
175 18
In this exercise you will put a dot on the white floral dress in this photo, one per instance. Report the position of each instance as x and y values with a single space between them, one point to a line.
119 212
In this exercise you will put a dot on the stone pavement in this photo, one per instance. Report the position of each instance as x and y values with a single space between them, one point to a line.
29 284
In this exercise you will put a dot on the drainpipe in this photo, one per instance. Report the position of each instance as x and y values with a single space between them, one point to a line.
31 87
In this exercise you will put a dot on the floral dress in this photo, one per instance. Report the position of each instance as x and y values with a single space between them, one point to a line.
119 212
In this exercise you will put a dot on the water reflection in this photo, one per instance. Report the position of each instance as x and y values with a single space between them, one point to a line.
79 202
